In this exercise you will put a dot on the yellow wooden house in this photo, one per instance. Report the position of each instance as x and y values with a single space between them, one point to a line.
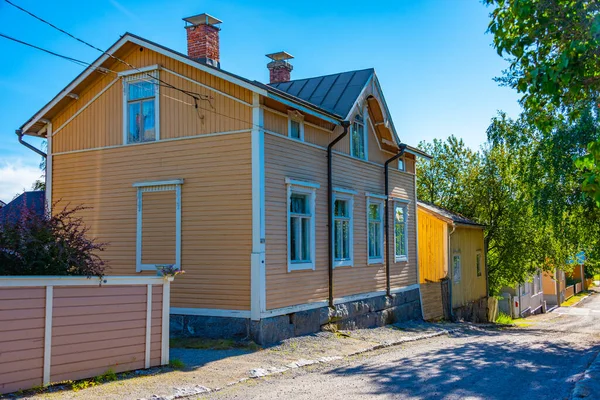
452 270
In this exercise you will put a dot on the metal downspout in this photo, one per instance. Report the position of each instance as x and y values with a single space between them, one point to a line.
387 219
450 272
345 125
19 133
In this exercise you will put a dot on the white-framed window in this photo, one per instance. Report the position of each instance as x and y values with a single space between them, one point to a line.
141 111
456 268
358 138
343 228
375 229
301 198
402 164
400 231
296 125
158 239
478 262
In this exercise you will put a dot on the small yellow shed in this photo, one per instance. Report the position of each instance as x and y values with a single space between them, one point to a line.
451 250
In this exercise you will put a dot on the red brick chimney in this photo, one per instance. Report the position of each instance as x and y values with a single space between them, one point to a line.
280 70
203 39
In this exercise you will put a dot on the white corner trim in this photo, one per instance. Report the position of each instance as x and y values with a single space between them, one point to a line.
295 182
376 195
166 303
158 183
148 326
48 335
344 190
148 68
210 312
49 155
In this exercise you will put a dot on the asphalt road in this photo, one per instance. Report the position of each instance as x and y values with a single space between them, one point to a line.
541 361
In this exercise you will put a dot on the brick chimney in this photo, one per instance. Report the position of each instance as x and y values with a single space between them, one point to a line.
203 39
280 70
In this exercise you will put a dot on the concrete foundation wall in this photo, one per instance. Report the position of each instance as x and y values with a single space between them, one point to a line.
365 313
475 311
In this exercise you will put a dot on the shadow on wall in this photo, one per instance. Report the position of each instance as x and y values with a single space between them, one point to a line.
478 370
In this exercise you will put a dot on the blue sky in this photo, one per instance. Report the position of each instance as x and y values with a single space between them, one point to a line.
433 58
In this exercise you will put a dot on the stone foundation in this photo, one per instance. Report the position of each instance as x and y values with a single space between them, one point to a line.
475 311
364 313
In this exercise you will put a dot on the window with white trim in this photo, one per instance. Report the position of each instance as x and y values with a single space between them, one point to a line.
456 268
301 226
402 164
141 111
358 138
296 125
343 247
158 239
375 230
400 232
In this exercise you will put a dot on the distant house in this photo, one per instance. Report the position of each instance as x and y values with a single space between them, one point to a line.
279 200
554 283
452 268
524 299
27 202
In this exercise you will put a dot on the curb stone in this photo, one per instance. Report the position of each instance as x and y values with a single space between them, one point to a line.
584 387
274 370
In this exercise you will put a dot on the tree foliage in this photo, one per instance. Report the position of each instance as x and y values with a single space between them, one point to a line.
49 245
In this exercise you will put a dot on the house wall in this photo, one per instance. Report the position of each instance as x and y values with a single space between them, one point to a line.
54 329
433 250
216 210
467 242
287 158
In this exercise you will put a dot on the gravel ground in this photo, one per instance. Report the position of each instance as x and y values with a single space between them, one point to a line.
544 360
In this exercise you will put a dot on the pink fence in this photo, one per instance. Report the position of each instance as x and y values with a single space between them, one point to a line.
67 328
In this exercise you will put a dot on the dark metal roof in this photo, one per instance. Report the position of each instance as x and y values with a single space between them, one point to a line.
334 93
28 203
454 217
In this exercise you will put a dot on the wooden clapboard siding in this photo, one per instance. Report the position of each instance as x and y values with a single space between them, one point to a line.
291 159
158 227
431 294
433 250
101 123
22 316
216 210
467 241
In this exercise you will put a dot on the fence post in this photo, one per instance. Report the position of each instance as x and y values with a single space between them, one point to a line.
48 335
166 304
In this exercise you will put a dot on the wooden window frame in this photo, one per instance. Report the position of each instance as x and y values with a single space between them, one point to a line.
157 186
347 196
376 199
404 206
296 116
478 263
135 76
454 275
309 189
365 137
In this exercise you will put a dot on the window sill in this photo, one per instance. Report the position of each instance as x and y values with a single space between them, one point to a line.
346 263
146 267
401 259
374 261
301 266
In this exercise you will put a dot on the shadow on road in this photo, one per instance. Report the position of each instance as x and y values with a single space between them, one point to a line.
500 368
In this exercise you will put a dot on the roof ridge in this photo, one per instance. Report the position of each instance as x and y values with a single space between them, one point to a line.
325 76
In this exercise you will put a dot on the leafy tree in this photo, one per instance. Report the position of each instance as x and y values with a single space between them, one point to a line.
48 245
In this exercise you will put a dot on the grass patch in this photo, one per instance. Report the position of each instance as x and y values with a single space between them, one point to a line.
108 376
574 299
504 319
212 344
176 364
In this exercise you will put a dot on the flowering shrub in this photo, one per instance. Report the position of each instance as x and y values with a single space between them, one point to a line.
169 270
35 244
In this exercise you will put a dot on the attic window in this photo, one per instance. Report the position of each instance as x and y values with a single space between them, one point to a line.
296 125
141 110
358 138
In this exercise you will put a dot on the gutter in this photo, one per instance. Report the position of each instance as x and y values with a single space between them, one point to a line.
450 273
345 125
20 134
387 219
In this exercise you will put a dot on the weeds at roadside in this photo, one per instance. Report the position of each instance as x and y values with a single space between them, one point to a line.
212 344
504 319
176 364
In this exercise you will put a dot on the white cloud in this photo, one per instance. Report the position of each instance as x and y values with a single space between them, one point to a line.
15 177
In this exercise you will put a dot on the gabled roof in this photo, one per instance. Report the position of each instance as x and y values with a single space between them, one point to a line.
335 93
28 203
449 216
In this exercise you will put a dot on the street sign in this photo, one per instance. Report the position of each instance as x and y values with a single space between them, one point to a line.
580 257
570 260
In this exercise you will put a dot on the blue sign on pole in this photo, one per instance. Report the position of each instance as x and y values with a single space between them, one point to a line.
580 257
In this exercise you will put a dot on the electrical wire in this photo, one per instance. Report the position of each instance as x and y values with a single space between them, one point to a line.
74 60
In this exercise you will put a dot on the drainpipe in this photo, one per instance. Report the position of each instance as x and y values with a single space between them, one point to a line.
450 272
345 125
387 219
19 133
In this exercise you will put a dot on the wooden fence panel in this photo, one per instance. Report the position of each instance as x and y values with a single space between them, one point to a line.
569 292
68 328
